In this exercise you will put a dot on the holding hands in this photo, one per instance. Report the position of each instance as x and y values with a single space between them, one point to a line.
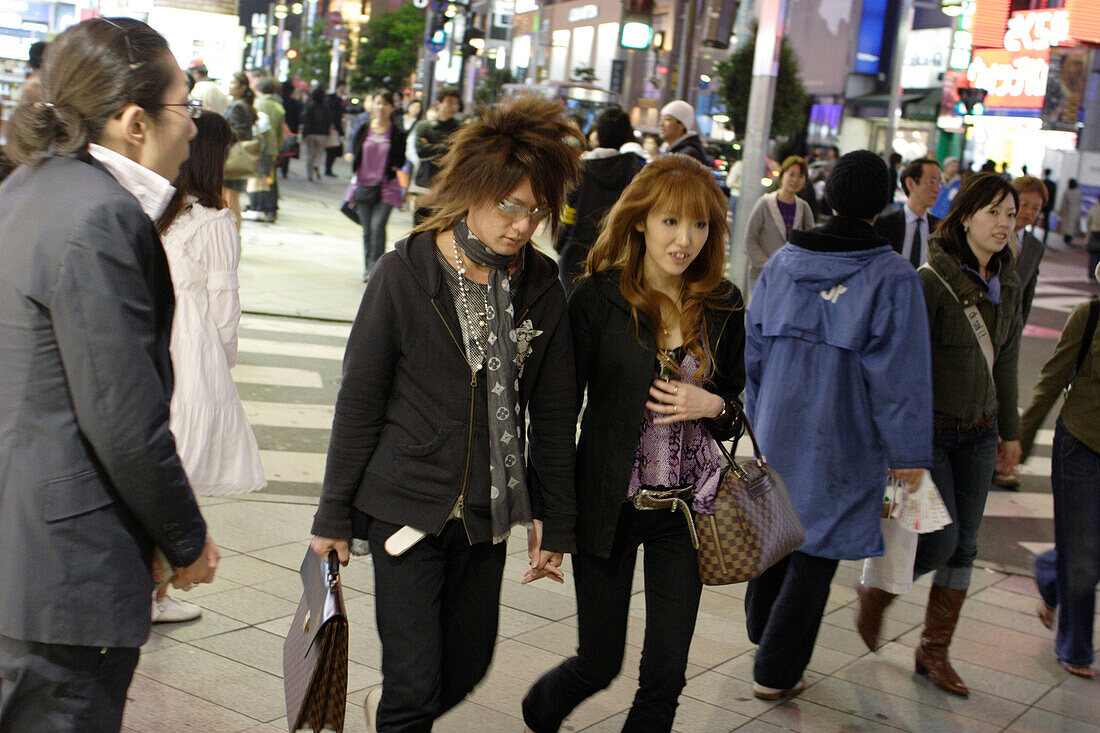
200 571
544 564
676 401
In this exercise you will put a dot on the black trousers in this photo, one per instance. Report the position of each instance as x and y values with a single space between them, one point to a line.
672 590
56 688
437 608
783 612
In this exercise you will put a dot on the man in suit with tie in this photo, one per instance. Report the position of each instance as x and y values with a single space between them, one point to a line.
909 228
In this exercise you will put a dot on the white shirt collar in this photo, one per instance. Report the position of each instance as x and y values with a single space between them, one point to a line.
152 190
911 215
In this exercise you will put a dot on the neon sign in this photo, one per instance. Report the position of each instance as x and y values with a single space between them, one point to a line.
1037 30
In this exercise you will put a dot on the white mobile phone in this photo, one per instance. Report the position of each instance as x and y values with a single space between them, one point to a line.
400 541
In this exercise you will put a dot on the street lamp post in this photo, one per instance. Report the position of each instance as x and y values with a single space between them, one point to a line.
765 68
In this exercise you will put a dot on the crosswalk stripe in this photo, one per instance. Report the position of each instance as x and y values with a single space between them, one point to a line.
290 348
1060 303
256 323
289 415
283 465
1036 548
275 376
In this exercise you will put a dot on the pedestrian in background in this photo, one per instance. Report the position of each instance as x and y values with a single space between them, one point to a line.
1094 237
775 215
1069 212
909 228
292 106
206 89
678 131
1052 197
378 152
263 190
335 103
1027 248
241 116
838 391
1067 576
432 138
605 172
462 335
314 129
974 400
200 237
92 485
654 302
949 187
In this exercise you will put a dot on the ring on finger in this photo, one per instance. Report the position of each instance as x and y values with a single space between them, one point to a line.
675 408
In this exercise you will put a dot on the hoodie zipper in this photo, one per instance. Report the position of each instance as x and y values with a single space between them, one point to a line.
457 507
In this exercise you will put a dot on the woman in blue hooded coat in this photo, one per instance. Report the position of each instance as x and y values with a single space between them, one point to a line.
839 390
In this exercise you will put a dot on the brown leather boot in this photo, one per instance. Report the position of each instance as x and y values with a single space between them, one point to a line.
872 604
940 619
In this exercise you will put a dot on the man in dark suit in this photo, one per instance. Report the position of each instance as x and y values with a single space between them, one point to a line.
90 482
909 228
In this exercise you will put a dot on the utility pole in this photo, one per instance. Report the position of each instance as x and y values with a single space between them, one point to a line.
893 115
765 68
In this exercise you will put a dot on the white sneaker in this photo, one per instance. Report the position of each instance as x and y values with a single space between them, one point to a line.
775 693
168 610
370 706
252 215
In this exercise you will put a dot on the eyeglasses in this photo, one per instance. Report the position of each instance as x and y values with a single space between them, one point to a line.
192 108
125 37
516 211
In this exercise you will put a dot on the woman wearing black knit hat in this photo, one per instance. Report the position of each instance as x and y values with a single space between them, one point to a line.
838 387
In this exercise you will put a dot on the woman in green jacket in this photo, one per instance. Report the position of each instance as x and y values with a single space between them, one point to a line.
1067 575
970 272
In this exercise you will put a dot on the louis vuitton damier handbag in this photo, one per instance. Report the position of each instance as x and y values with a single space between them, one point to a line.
754 524
315 654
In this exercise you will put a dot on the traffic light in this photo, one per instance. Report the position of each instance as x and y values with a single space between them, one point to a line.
435 35
971 101
472 41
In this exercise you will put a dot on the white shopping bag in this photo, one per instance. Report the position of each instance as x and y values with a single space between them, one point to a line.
893 570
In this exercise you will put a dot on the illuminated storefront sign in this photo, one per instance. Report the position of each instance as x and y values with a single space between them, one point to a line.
1015 75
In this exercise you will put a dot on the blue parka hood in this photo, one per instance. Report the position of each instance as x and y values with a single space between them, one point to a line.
839 385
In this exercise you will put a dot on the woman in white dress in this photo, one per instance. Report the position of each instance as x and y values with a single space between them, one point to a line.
213 437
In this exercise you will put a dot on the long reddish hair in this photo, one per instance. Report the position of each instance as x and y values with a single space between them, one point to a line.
684 188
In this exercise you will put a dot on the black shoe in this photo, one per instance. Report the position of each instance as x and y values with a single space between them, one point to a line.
330 174
1006 482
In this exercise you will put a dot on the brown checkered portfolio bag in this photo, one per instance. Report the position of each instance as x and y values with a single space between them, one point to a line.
315 654
754 524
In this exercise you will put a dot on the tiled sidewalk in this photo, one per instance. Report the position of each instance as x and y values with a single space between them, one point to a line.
222 673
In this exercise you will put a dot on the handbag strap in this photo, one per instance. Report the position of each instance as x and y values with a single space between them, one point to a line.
974 318
757 455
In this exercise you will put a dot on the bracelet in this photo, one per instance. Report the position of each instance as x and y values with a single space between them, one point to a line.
722 414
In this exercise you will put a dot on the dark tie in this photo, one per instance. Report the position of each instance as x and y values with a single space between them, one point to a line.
914 247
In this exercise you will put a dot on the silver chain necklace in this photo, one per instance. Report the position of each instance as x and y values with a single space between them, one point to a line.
470 322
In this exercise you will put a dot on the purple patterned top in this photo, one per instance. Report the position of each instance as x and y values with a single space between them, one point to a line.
677 454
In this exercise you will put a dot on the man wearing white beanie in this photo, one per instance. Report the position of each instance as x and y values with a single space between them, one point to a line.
678 131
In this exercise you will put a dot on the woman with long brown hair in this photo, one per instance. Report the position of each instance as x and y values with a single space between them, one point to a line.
658 336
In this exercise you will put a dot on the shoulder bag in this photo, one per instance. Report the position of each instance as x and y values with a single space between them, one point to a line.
315 654
243 160
754 524
974 318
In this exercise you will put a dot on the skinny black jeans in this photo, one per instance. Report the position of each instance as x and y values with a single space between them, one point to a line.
437 608
672 590
783 612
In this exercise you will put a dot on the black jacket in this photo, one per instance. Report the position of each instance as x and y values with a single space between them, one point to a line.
892 226
602 182
432 141
410 433
691 145
89 477
315 119
395 159
617 370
